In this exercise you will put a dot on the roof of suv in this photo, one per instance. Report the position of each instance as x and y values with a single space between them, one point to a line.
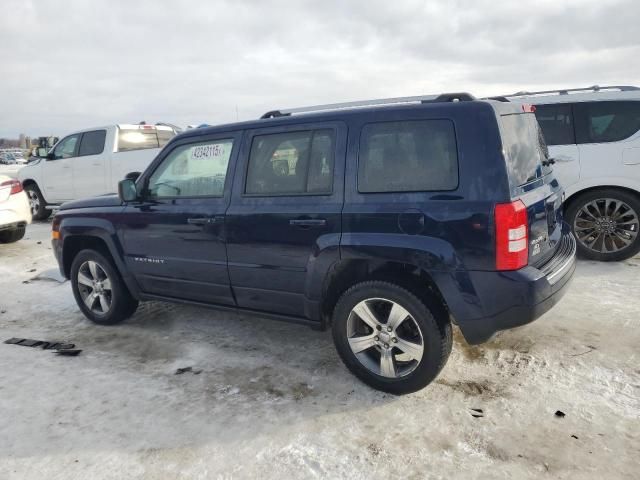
573 95
340 111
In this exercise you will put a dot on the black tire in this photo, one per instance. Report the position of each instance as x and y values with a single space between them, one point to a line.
574 209
10 236
436 337
122 304
39 210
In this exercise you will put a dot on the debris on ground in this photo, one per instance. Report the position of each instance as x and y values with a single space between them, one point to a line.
68 353
182 370
58 347
477 413
559 414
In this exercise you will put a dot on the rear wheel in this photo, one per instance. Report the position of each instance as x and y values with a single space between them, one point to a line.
605 223
10 236
389 338
39 210
99 290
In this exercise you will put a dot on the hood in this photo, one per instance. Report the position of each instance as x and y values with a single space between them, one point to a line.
109 200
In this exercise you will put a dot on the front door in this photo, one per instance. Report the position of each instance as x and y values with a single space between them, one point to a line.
174 239
57 172
285 214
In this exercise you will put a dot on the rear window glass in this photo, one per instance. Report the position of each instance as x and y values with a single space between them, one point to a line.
556 122
410 156
524 147
140 139
601 122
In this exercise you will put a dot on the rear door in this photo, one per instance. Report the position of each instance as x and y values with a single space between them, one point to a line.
174 239
285 213
608 135
89 167
558 126
533 183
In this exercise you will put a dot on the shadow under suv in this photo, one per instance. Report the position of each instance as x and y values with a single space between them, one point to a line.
386 220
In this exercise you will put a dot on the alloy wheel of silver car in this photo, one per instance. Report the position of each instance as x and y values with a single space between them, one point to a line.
94 286
34 201
606 225
384 337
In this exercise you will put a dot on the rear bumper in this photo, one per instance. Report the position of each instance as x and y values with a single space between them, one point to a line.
512 299
15 211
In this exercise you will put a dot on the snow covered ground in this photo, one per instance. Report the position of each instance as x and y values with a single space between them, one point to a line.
274 401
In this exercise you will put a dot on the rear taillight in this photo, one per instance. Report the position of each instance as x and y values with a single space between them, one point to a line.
16 186
512 236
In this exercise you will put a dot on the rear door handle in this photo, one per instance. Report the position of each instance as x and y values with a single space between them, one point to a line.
308 222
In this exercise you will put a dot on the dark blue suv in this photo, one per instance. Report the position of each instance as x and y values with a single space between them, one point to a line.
387 220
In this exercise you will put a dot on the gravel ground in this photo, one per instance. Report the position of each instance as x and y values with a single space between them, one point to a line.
274 401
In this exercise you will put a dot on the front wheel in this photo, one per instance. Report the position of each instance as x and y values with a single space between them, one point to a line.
99 290
389 338
605 223
39 210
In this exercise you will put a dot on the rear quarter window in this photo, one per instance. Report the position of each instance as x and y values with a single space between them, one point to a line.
523 146
409 156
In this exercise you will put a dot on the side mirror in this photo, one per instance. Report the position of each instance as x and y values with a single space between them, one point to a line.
132 176
51 156
127 190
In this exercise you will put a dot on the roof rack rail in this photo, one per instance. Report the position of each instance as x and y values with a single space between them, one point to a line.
565 91
445 97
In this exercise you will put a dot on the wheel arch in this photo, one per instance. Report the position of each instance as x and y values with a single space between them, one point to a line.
81 233
578 193
418 281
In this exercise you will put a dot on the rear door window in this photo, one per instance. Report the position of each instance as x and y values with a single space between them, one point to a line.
602 122
291 163
556 122
524 147
92 143
410 156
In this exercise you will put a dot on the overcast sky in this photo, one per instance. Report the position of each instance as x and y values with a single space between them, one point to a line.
76 63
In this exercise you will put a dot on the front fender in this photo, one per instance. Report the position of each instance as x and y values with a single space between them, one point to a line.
95 228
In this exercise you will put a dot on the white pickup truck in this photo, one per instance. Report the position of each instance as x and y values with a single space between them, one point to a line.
89 163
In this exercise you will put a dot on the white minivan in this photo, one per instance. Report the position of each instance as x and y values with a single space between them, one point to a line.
90 162
593 136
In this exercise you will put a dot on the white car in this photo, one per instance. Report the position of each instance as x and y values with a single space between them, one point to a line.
89 163
593 136
15 213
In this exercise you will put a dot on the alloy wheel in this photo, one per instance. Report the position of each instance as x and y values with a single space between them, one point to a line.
34 201
606 225
94 286
384 337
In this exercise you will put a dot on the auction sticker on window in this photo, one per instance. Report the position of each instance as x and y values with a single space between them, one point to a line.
212 150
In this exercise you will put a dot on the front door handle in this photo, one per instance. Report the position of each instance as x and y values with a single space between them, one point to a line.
205 220
562 159
308 222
